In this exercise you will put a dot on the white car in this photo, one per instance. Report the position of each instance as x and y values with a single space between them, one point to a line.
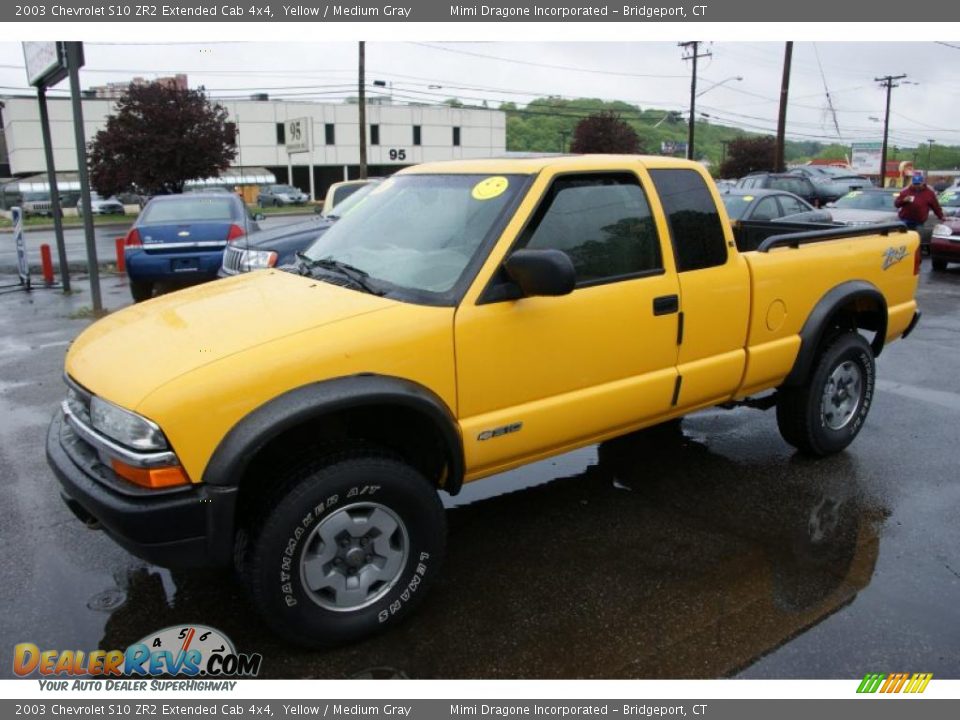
102 206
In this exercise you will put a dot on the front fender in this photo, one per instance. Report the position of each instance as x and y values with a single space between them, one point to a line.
295 407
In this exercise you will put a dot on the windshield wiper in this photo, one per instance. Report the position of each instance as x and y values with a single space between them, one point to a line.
357 276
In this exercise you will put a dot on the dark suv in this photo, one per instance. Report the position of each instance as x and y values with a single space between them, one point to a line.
787 182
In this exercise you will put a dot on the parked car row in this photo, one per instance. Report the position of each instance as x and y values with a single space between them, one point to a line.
204 234
816 184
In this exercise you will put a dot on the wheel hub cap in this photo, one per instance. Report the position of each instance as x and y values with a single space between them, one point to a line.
841 395
354 556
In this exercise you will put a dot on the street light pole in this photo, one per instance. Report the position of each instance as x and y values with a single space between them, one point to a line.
887 81
693 55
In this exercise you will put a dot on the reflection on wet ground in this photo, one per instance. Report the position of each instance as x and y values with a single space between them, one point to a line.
651 557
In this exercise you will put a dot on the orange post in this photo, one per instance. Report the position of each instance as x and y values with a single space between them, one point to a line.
121 258
46 262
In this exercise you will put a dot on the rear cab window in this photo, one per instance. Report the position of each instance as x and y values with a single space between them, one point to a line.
695 228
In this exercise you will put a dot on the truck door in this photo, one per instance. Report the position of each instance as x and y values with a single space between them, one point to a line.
714 288
541 374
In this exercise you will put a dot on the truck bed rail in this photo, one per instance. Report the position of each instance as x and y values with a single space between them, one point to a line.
795 240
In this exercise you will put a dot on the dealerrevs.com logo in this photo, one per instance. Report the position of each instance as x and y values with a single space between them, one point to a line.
894 682
182 651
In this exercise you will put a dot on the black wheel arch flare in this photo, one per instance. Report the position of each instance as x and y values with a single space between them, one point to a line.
818 323
285 412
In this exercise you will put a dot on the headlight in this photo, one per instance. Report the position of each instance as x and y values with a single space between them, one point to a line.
942 231
126 427
257 259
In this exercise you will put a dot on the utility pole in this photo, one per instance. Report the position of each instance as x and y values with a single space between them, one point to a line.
930 142
693 48
889 82
563 140
363 112
74 52
778 162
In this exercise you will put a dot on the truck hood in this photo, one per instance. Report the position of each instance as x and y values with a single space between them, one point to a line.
130 353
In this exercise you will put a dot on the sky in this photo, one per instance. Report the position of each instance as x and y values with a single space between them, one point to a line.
832 85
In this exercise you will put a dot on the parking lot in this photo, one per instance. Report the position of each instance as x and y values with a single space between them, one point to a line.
702 549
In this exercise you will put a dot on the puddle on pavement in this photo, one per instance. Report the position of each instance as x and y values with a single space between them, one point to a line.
647 556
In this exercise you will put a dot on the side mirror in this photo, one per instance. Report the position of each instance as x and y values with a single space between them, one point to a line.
541 272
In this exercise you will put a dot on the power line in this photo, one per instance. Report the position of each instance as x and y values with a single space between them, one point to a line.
570 68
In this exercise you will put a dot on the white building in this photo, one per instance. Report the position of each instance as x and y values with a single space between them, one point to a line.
397 136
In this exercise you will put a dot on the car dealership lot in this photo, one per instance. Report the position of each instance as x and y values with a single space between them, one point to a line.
700 551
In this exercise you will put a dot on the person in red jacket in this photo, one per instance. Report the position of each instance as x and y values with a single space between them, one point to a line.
916 202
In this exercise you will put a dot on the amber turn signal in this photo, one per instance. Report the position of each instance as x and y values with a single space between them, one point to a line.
160 477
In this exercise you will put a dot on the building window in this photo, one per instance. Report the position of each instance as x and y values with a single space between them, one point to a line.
416 135
374 134
281 134
456 137
329 135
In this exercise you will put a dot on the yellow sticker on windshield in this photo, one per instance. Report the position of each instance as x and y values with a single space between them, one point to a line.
747 198
490 188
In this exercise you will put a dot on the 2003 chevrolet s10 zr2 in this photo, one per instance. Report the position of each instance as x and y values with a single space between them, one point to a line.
469 318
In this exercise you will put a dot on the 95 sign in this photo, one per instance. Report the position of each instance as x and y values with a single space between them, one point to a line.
397 154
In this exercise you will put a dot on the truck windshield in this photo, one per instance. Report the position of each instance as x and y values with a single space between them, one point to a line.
418 232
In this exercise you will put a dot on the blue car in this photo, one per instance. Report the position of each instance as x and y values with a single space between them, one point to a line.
179 239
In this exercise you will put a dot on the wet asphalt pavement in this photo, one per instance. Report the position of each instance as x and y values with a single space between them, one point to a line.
695 550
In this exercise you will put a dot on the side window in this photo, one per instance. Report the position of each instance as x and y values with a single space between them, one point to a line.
603 222
766 209
695 229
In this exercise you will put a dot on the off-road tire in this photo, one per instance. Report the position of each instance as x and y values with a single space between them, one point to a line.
292 521
800 410
141 290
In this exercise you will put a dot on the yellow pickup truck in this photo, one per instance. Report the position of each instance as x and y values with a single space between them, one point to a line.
471 317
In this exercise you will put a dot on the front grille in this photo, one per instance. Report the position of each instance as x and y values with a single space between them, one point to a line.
231 259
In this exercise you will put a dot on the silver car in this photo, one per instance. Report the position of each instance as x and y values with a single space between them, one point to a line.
279 195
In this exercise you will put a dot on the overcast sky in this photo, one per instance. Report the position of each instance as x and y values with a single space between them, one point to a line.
648 74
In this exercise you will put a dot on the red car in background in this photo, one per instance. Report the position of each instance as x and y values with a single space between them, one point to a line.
945 243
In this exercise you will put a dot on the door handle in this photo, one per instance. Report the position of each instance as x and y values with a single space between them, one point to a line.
666 304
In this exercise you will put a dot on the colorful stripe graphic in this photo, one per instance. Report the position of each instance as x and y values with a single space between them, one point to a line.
894 682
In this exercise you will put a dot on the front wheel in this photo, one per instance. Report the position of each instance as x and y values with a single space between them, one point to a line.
824 415
938 264
347 549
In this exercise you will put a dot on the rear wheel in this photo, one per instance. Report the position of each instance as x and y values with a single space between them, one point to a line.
938 264
141 290
824 415
346 548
